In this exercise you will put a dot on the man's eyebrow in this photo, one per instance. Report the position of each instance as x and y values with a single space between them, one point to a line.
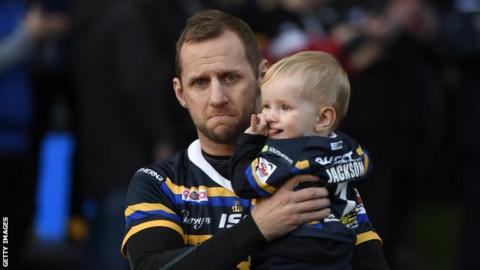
196 77
233 70
237 72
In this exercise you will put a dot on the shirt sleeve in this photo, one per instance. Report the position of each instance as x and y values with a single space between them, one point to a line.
158 247
154 236
244 155
148 205
368 246
358 220
369 256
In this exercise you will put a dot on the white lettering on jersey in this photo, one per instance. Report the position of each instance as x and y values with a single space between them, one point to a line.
345 171
151 172
197 222
228 220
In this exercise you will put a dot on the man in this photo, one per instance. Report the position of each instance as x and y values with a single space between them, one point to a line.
182 213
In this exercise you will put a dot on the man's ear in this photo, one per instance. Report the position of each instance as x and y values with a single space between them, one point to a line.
325 119
177 87
262 69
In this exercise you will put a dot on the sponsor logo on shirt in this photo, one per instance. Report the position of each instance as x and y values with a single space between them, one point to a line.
276 152
229 220
264 169
197 222
335 159
150 172
193 195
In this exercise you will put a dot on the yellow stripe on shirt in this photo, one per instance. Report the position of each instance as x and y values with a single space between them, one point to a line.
146 207
365 160
150 224
245 265
192 239
367 236
211 191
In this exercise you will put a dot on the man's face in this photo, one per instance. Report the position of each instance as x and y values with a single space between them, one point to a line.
218 87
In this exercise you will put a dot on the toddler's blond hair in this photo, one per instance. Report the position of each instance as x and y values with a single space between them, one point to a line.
320 79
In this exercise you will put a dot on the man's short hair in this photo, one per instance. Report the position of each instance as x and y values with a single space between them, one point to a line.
211 23
320 78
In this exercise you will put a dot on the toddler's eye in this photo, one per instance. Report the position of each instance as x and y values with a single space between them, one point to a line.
285 107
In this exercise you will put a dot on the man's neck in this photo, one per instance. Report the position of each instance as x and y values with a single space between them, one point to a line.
219 163
215 149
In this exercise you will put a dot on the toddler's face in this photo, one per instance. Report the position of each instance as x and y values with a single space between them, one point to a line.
288 115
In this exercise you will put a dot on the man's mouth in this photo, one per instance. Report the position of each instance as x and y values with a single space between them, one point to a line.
219 116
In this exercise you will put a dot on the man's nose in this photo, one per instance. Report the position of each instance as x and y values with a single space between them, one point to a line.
218 95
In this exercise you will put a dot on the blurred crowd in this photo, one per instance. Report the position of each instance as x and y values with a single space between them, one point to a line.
102 71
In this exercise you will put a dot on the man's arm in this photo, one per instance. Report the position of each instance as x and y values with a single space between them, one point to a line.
158 247
37 25
153 247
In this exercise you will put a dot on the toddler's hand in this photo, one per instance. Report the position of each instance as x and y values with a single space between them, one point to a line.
258 125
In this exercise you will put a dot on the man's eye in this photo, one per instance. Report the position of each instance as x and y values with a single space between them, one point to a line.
285 107
200 82
231 78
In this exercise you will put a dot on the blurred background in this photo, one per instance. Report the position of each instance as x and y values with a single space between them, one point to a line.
86 99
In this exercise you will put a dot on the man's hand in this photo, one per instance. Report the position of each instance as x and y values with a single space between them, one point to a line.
287 209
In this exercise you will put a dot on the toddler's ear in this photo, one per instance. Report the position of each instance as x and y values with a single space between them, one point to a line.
325 119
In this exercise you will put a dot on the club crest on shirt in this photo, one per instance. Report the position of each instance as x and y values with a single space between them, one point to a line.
237 207
264 169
